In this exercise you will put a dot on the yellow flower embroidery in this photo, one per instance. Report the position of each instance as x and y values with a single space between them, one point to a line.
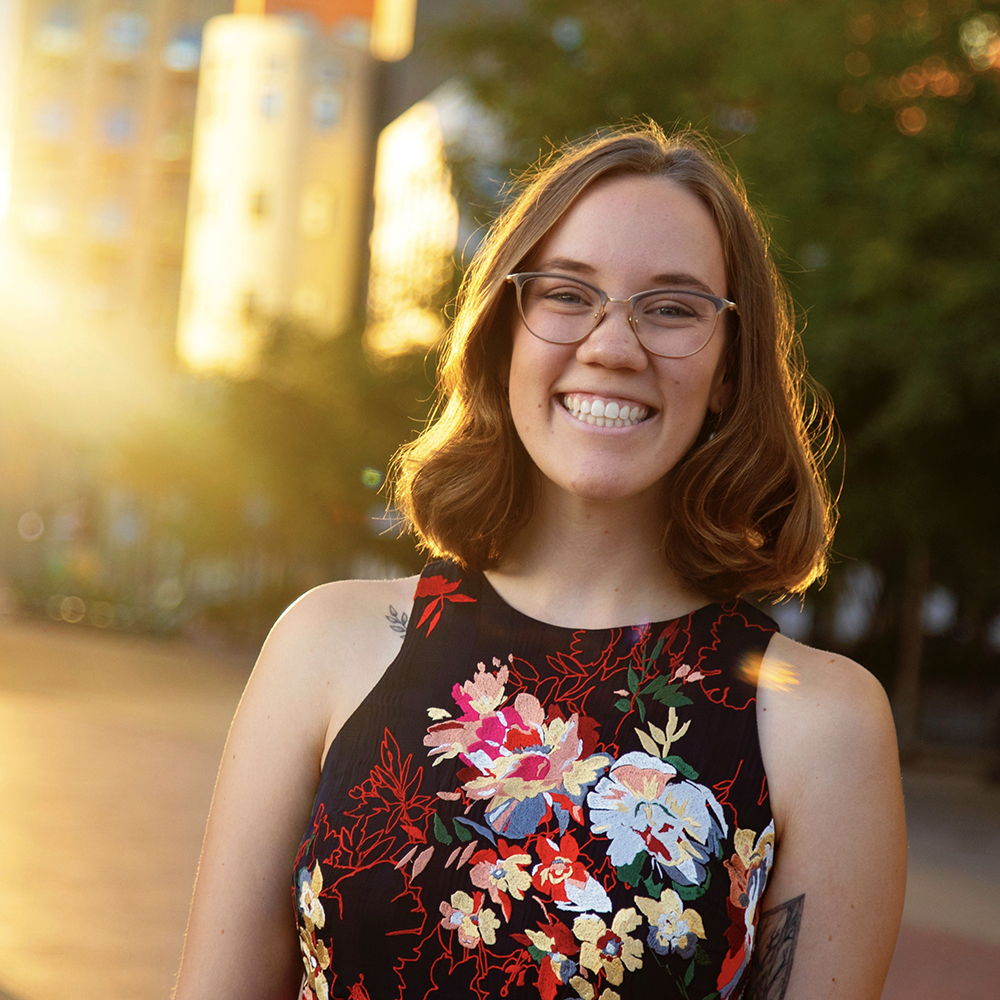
316 958
470 919
309 904
672 929
587 992
609 951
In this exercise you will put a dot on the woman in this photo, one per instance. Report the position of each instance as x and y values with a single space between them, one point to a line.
588 769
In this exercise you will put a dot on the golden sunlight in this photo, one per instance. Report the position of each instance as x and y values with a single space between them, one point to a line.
414 234
770 674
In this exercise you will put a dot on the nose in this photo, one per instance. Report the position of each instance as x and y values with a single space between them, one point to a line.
613 343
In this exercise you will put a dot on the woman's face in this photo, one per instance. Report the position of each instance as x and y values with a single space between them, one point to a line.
625 235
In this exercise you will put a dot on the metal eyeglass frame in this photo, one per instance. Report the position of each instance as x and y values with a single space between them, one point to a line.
721 305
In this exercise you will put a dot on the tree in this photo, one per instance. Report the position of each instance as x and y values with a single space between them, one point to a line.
868 132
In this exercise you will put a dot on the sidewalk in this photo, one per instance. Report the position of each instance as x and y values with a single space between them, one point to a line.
108 752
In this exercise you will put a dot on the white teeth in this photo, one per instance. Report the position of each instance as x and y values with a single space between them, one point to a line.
601 414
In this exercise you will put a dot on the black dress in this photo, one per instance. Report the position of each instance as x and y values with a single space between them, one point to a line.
523 810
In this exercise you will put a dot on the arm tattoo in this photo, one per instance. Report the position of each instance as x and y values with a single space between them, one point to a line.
397 620
777 934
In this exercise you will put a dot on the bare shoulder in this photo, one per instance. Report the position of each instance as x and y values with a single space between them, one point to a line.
815 688
829 750
820 715
342 612
335 643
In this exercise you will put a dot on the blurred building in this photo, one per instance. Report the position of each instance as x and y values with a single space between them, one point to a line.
280 184
100 150
289 111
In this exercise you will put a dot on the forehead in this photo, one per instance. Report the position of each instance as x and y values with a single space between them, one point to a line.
636 229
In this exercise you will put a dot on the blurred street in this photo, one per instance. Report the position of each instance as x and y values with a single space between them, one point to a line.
108 752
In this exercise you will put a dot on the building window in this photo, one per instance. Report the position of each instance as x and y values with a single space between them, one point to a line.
58 34
271 102
125 34
183 52
109 222
119 127
330 71
53 120
327 109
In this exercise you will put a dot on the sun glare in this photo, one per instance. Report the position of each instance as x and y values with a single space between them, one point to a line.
414 234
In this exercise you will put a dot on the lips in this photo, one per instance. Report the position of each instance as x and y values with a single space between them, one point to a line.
604 411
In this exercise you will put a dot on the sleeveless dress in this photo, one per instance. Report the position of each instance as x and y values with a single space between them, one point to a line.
522 810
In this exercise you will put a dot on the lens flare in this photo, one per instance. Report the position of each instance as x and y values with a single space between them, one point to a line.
770 674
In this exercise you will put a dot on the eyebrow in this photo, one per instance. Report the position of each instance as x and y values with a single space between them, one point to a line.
670 279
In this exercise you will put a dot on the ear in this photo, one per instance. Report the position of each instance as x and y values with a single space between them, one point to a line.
722 391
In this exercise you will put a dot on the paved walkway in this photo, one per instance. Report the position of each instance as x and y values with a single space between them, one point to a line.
108 751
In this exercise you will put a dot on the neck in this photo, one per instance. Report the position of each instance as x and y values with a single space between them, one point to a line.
593 564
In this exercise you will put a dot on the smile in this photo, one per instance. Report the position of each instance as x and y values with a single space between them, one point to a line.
604 412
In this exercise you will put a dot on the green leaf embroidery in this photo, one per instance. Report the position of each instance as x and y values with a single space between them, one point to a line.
671 696
463 833
633 680
623 705
689 975
629 873
658 683
653 887
701 957
683 767
687 892
655 655
641 705
441 831
536 953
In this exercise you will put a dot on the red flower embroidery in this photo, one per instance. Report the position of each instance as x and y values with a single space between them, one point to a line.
441 589
562 875
553 945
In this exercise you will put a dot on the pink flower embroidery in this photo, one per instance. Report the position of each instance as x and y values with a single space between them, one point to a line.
528 765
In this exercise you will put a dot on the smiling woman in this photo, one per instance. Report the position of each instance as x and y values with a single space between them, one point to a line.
591 770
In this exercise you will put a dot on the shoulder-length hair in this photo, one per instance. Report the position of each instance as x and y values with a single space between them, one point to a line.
747 508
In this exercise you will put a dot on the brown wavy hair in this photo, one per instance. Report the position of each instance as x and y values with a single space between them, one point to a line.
747 509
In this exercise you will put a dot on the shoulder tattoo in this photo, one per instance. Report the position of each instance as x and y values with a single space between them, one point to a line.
397 620
777 935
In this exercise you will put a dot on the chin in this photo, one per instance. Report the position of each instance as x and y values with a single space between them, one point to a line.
609 489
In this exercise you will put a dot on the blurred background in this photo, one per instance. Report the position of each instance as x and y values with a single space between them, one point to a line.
228 240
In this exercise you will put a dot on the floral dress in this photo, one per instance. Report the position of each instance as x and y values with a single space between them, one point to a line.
522 810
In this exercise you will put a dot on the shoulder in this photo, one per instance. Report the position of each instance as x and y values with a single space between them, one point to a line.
330 639
343 610
824 722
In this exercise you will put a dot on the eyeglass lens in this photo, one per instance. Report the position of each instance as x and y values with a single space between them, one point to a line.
669 323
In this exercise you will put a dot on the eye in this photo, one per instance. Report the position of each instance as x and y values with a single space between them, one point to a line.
675 308
559 295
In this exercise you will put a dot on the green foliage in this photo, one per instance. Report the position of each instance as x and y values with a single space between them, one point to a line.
870 137
629 874
441 831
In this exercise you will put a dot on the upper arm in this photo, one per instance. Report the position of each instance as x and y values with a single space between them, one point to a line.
829 749
324 653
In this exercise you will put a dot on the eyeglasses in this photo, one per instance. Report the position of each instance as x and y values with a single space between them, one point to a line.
669 322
